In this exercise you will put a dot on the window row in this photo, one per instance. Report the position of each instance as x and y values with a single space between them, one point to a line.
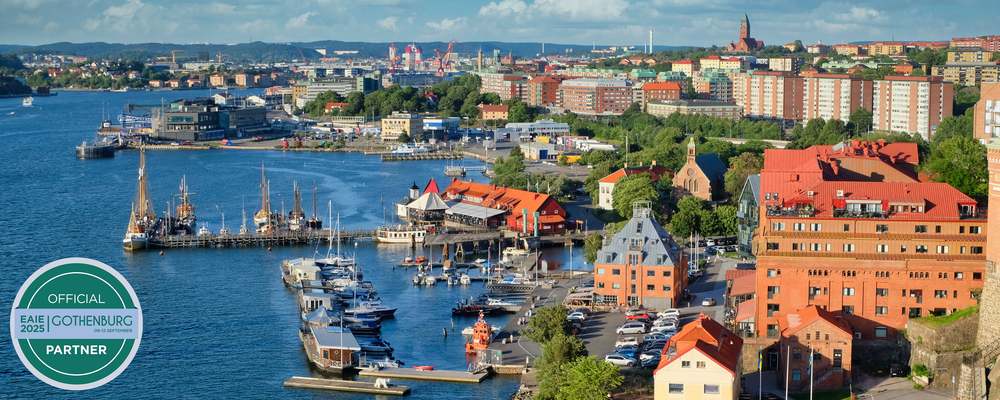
881 248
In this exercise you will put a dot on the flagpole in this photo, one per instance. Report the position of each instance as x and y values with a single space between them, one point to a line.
788 362
760 374
810 372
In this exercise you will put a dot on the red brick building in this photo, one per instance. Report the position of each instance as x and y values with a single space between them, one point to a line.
989 332
596 96
661 91
745 42
544 90
827 337
640 265
850 229
988 43
541 211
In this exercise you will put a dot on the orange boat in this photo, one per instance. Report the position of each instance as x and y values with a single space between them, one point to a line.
421 260
481 336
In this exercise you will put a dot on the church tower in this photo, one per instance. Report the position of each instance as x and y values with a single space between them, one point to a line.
745 27
692 151
989 310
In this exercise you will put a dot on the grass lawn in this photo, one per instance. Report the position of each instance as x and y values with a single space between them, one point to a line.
839 394
935 322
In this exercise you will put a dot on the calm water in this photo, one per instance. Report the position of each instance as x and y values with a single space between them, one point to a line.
218 322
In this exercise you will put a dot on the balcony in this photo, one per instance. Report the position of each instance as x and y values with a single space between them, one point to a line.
776 211
843 213
973 214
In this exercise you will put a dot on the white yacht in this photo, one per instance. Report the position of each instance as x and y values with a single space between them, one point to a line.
373 307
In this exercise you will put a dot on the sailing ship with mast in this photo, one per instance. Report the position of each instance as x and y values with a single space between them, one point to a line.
186 219
297 217
263 217
314 223
143 217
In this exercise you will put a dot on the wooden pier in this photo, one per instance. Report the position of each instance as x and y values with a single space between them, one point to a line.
259 239
422 157
345 386
441 375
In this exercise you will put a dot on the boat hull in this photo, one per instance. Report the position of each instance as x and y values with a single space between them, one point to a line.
134 244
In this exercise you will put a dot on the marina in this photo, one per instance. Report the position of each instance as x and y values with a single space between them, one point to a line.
440 375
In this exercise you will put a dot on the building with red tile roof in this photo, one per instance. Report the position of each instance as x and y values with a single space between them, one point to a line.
493 111
828 337
333 106
704 359
542 213
607 184
849 227
660 91
745 42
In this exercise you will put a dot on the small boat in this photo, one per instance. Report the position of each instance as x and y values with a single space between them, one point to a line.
203 231
376 346
423 367
430 280
360 318
364 328
400 234
419 278
480 261
501 303
481 336
469 330
373 307
408 260
452 281
465 309
421 260
465 280
27 102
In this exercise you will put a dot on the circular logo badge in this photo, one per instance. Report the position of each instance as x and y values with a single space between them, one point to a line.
76 324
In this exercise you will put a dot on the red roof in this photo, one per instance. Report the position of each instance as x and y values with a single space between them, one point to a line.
494 108
791 322
744 285
736 273
708 337
432 186
330 106
661 86
498 197
681 62
939 200
746 310
654 171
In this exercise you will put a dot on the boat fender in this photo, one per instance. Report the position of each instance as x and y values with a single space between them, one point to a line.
268 249
161 252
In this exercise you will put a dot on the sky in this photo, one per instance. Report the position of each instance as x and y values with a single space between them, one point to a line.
606 22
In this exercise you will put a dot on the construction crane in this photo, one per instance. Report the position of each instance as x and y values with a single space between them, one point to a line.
304 57
443 61
220 57
393 58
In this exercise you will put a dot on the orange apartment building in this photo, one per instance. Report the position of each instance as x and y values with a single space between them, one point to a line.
661 91
911 104
850 228
990 332
770 95
641 265
986 120
595 96
506 85
829 96
544 90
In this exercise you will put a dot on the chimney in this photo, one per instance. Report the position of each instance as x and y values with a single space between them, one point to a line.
881 143
855 143
536 196
626 166
640 163
654 163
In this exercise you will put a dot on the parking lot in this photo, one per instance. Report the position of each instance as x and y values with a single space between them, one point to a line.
598 331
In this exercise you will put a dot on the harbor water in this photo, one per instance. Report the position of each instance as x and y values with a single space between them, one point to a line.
218 323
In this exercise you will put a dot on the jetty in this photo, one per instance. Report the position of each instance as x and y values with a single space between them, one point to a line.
346 386
282 238
441 375
422 157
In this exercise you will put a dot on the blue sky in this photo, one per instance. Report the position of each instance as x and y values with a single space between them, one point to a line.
608 22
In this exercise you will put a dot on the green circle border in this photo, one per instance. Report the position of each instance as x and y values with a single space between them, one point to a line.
118 284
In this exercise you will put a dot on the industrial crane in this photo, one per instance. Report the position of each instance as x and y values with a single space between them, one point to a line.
447 58
173 56
304 57
393 57
220 57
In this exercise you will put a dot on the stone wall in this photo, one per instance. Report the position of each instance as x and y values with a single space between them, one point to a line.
880 352
958 335
751 348
989 309
943 365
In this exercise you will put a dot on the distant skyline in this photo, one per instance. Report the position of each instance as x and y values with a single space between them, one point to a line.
582 22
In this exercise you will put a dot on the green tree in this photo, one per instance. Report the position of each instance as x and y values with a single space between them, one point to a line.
547 323
741 167
861 120
692 93
630 189
685 223
591 245
799 47
958 161
559 351
403 138
587 378
710 223
953 126
725 150
918 71
563 160
727 217
691 203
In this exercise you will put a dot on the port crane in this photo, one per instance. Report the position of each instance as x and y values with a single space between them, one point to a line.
304 57
173 56
443 61
393 57
220 57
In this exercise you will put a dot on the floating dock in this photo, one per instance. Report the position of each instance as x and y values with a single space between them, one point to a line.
441 375
258 239
345 386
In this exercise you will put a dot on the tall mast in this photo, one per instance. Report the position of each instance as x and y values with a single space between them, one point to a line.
263 189
143 207
314 201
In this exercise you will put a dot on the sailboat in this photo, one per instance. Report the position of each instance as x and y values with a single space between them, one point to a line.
314 223
186 220
297 217
263 217
143 216
337 259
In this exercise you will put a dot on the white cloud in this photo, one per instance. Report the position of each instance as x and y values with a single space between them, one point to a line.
860 14
579 10
28 4
28 20
299 22
449 24
503 9
388 23
218 8
125 17
52 27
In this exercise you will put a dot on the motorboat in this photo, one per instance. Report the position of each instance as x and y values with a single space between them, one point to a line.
376 346
430 280
482 334
423 367
419 278
27 101
468 309
465 280
373 307
408 260
479 261
360 318
364 328
400 234
469 329
452 280
511 253
491 302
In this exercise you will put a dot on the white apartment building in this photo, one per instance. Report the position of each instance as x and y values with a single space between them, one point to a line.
911 104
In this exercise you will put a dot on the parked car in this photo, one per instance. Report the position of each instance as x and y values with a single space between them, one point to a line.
618 359
708 302
694 274
669 312
578 314
631 327
637 316
629 349
645 321
586 311
653 337
710 242
649 354
633 312
895 370
666 330
730 249
627 341
666 324
657 345
651 363
577 320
